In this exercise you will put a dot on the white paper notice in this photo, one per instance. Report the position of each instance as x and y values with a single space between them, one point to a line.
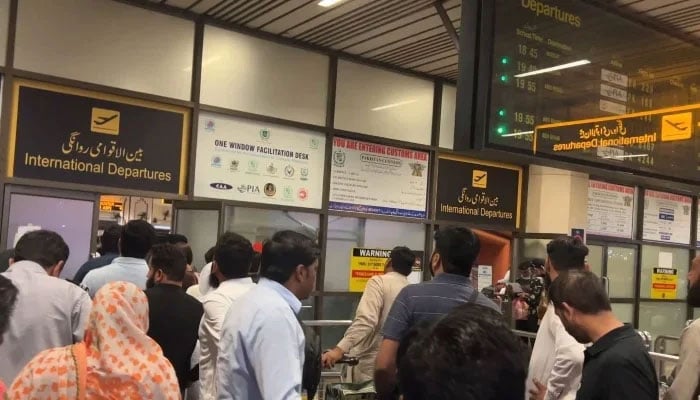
666 217
485 277
376 179
610 210
665 260
245 160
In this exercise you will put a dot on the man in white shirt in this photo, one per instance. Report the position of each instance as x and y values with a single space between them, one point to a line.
49 312
556 363
232 259
261 352
137 238
364 336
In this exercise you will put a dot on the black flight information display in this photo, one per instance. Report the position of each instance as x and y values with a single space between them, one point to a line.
574 81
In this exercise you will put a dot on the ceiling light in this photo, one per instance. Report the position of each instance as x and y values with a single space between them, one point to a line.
554 68
518 134
625 156
392 105
328 3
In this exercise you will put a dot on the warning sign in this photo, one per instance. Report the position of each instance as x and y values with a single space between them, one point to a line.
664 283
364 264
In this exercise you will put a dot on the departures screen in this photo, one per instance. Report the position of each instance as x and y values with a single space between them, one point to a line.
575 81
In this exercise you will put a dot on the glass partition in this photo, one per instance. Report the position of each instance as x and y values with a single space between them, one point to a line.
201 228
260 224
346 233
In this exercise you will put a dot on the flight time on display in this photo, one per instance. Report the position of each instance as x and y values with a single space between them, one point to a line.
566 74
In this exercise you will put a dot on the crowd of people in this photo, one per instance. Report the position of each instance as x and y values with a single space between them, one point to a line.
137 323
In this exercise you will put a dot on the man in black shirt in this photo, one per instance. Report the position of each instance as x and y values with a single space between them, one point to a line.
173 315
616 366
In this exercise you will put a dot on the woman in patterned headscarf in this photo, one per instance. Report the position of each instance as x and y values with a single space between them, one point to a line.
117 360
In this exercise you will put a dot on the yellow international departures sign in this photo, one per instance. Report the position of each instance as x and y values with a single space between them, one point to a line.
664 283
364 264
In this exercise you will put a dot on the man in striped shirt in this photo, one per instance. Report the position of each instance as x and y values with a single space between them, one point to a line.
456 250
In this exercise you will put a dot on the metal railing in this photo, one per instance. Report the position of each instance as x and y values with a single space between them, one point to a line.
661 341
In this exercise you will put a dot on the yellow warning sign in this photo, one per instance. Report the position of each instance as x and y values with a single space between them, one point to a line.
364 264
664 283
676 127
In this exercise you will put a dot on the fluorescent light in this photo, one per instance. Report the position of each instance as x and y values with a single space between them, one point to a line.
392 105
625 156
328 3
518 134
554 68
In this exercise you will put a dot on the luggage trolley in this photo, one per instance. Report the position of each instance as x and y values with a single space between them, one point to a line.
334 386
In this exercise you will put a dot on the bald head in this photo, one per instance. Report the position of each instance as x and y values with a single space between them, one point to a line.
580 290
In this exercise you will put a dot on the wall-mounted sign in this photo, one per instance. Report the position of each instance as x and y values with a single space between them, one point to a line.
664 283
478 192
111 205
666 217
366 263
79 136
610 209
376 179
248 161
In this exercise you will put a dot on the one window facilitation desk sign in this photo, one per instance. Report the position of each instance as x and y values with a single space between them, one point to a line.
79 136
478 192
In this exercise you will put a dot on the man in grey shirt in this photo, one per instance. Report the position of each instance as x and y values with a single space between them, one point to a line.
50 312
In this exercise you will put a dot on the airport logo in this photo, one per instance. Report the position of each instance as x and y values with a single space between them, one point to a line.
221 186
288 192
304 172
270 189
252 166
252 189
216 162
105 121
676 127
314 143
289 171
479 179
271 169
265 134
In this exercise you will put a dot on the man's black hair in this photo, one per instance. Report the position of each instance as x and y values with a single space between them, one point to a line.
176 238
186 250
209 255
8 298
531 263
469 354
402 260
109 242
45 248
169 259
581 290
458 248
567 253
233 256
284 252
137 238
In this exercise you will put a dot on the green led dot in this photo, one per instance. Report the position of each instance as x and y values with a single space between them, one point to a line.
501 129
502 112
504 78
505 60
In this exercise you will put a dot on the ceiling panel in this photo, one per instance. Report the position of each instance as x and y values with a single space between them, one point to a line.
405 33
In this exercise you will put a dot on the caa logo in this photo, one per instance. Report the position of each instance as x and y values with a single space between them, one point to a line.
221 186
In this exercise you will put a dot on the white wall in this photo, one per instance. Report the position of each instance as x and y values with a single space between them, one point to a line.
383 103
107 43
258 76
447 116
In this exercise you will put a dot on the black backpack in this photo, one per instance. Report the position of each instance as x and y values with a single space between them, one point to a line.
311 374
